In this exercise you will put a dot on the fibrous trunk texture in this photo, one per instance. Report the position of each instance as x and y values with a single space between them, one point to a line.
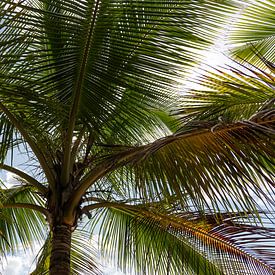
61 248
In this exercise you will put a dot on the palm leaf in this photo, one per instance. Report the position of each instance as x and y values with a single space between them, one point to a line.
253 31
254 237
20 227
65 64
125 65
82 83
188 162
241 229
230 123
139 244
154 242
228 94
7 137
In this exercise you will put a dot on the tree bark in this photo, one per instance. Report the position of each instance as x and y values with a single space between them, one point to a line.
61 249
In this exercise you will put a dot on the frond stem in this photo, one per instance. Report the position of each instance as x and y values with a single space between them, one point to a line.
30 206
26 177
65 173
142 152
40 156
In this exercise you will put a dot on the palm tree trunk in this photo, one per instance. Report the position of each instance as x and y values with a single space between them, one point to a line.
61 248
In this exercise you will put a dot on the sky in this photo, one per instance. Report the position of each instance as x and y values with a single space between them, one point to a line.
20 265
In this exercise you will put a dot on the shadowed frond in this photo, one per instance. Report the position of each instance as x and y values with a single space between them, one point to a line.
254 237
223 155
7 140
187 163
102 64
119 57
241 229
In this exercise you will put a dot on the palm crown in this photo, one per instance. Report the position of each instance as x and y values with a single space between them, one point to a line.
86 92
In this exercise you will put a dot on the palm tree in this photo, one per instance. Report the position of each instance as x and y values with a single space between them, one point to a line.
86 91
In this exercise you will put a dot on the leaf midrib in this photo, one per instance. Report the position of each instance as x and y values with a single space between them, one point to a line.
76 98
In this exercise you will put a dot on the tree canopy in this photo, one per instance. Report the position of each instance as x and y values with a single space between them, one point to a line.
175 182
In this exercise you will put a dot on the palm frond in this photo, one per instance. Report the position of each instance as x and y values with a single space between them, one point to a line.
83 83
20 227
7 132
223 151
157 243
141 245
253 31
228 94
240 229
187 163
120 68
26 178
250 235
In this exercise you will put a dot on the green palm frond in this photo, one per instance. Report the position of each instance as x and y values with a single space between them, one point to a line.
84 257
253 31
20 227
149 249
122 70
66 63
24 178
241 229
7 141
230 94
223 151
86 87
160 243
187 163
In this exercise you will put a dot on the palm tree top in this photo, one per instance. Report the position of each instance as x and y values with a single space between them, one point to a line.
89 91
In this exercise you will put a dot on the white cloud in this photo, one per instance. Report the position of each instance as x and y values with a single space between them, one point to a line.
10 180
111 271
20 263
